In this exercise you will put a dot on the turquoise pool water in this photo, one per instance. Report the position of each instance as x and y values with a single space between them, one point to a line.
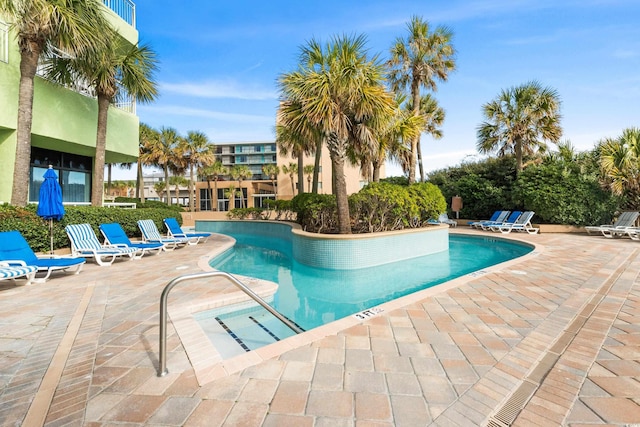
312 297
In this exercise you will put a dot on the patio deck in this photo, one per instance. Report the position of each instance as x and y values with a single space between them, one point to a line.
556 332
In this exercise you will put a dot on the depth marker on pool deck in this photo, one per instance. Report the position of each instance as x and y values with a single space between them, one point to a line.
368 313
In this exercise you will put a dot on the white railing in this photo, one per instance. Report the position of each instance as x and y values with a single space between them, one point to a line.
4 42
125 9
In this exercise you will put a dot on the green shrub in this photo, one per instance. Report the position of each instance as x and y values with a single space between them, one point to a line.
36 230
282 208
247 213
316 213
564 195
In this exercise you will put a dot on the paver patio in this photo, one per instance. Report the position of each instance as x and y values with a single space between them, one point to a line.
555 333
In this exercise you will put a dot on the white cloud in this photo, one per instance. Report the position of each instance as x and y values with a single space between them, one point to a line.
179 110
220 89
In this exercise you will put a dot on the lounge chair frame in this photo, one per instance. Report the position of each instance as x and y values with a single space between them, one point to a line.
85 243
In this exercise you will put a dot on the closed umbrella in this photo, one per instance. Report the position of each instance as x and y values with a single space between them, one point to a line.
50 200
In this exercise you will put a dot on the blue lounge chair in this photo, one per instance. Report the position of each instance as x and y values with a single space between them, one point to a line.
497 216
513 217
85 243
174 231
523 223
13 246
150 233
115 235
17 269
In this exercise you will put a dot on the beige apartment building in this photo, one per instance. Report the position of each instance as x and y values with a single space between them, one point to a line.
260 187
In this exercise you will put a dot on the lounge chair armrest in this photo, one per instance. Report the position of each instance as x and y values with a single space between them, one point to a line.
13 262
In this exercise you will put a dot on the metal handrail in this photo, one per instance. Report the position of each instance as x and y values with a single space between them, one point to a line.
162 359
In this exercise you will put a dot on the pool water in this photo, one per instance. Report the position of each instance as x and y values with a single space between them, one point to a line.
312 297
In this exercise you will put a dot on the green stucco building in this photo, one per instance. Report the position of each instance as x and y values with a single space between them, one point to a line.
64 120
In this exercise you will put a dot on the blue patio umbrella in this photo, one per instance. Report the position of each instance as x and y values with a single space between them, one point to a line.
50 200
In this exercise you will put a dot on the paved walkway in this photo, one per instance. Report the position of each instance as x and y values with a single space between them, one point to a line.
550 339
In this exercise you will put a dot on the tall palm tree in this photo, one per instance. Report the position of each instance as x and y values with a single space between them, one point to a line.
298 136
291 170
163 151
520 120
240 173
74 26
214 171
113 71
620 164
197 151
148 137
308 170
272 172
341 93
419 61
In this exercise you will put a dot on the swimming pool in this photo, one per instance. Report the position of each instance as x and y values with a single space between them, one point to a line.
315 296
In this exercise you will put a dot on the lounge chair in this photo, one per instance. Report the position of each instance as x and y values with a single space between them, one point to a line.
15 269
115 235
628 224
150 233
497 218
174 231
513 217
625 220
523 223
85 243
443 219
13 246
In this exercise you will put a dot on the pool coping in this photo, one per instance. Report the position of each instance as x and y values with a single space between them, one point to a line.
206 361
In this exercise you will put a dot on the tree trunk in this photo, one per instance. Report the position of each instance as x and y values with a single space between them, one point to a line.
316 165
167 187
518 150
28 65
415 142
420 165
300 173
342 201
216 187
192 199
140 183
97 186
109 178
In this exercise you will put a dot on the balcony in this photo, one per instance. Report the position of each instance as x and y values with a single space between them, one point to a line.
125 9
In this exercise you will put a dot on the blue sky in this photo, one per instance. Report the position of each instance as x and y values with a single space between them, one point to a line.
220 60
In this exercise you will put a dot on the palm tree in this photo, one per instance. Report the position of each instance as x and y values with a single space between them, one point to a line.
147 139
214 171
519 121
73 26
342 95
178 181
240 173
620 164
163 153
160 188
298 136
308 170
197 150
395 141
272 172
230 193
417 62
291 170
113 71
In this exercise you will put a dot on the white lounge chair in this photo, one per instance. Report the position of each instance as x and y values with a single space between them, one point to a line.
85 243
150 233
11 270
625 220
523 223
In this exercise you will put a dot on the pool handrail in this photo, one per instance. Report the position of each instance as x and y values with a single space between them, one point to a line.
162 356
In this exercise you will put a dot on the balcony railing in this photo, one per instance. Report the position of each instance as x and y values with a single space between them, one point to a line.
4 42
125 9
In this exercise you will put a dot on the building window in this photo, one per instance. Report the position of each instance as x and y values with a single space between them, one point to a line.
74 174
205 201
